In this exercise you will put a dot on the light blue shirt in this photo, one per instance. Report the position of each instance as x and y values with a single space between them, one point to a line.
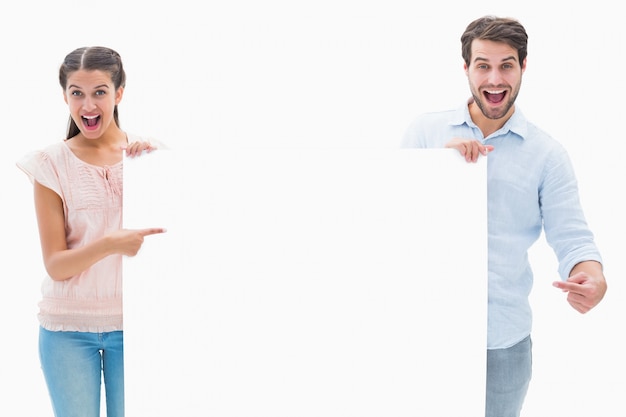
530 184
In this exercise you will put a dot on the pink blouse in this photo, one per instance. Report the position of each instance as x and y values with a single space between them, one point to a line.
92 202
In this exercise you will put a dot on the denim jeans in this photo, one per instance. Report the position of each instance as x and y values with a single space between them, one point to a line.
74 364
508 376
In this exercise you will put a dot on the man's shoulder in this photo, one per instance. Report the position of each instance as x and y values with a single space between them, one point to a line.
433 129
438 119
537 136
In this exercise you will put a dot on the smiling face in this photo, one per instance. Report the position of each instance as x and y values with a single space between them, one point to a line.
92 97
495 77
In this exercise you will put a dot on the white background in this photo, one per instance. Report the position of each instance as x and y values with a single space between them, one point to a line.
332 74
281 289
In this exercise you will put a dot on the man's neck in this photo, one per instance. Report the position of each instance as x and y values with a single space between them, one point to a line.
486 125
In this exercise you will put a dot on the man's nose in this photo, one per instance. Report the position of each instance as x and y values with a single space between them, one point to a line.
495 77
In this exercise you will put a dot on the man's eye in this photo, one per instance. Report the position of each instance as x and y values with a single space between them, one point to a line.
100 92
76 93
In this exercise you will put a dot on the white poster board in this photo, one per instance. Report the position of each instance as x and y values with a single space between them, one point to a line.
306 283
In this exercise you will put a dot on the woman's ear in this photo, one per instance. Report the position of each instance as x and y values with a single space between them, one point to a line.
118 95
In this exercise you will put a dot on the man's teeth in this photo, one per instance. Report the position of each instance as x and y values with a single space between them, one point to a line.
495 91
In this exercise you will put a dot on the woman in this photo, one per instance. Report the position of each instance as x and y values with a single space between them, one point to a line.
78 203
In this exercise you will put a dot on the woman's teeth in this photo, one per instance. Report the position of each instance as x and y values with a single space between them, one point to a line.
91 120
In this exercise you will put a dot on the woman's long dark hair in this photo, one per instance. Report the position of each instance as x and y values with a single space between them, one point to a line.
92 58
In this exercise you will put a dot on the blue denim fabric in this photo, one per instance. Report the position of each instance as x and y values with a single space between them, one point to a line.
508 376
74 364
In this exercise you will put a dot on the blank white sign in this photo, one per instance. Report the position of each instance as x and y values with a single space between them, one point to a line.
306 282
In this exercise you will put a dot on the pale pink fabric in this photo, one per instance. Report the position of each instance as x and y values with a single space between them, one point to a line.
92 198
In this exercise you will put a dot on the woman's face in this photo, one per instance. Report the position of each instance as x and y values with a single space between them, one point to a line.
92 97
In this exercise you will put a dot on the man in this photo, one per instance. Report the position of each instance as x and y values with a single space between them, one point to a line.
531 184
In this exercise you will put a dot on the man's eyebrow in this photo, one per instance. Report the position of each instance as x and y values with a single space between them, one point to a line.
508 58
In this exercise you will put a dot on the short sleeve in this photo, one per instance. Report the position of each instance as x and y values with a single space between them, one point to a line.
39 167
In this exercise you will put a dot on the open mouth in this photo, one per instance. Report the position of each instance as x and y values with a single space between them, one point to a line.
91 121
494 96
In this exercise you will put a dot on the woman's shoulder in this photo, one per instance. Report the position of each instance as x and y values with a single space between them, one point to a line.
52 152
56 149
42 165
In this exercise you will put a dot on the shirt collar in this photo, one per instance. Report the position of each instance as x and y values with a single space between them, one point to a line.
517 123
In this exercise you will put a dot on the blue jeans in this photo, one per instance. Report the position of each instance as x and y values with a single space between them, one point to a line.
73 365
508 376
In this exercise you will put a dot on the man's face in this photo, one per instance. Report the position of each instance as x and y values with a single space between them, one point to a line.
495 77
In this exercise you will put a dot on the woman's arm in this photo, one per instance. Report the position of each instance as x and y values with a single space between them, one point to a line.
62 263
